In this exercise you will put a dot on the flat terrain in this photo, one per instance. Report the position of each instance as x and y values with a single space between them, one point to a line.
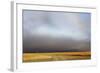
55 56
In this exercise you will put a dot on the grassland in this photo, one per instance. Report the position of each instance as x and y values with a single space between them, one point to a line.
56 56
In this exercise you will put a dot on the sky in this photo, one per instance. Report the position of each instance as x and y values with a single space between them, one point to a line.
56 31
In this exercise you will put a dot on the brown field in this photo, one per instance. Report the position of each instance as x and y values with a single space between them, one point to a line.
56 56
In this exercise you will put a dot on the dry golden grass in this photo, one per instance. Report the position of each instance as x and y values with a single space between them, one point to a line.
56 56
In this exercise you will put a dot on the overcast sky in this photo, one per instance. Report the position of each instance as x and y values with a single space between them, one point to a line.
45 30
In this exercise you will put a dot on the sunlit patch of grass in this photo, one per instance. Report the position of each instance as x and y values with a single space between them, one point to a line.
56 56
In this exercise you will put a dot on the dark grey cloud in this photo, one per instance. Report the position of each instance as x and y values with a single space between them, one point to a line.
45 31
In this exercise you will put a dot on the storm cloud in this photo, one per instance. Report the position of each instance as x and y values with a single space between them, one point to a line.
50 31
